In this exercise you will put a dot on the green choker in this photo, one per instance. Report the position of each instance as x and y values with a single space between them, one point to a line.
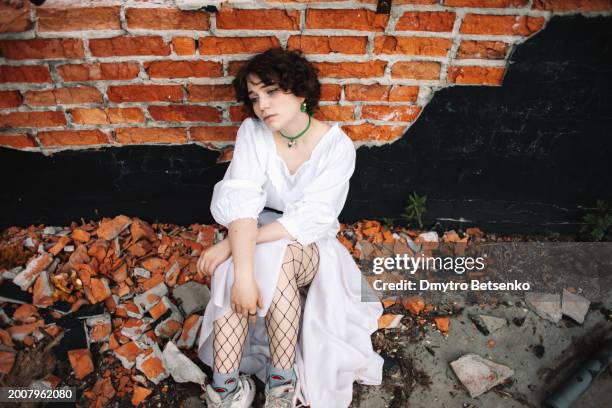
294 138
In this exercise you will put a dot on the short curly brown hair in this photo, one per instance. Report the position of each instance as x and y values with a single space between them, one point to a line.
288 69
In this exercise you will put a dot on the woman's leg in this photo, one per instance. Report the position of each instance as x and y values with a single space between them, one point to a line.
230 332
299 268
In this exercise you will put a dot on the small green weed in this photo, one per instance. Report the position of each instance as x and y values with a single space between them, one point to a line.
413 212
597 223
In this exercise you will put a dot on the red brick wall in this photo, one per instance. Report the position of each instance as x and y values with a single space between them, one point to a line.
83 74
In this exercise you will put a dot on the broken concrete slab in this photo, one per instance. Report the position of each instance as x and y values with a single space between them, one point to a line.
574 306
134 328
172 273
493 323
101 328
35 266
545 305
172 325
478 375
43 291
192 297
128 353
152 366
487 324
150 298
180 366
160 308
190 331
168 328
12 273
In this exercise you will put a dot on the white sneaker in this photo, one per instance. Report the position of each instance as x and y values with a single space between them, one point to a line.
241 397
283 396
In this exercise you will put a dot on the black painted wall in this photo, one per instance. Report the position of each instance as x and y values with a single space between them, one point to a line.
524 157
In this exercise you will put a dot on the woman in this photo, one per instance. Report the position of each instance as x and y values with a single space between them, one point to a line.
309 347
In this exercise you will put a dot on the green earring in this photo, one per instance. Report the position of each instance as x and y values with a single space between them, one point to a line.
303 107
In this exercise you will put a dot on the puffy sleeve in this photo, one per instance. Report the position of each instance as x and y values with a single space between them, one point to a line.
240 193
315 215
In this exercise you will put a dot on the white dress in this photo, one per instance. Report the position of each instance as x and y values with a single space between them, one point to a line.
334 346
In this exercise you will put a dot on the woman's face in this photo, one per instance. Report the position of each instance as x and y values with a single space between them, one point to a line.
275 107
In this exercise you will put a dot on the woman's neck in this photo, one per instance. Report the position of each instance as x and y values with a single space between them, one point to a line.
297 125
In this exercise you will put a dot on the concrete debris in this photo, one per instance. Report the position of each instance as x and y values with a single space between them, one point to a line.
574 306
127 354
545 305
12 273
100 328
49 231
43 291
493 323
134 328
150 298
430 236
181 367
190 331
478 375
142 273
35 266
151 365
192 297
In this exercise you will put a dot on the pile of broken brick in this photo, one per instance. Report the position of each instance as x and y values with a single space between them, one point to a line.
133 289
132 285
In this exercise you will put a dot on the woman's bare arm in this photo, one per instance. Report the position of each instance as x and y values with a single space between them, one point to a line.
272 232
242 234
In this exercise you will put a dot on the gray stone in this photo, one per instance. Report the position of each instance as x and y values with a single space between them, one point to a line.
366 249
142 300
192 296
10 274
493 323
478 375
49 231
430 236
574 306
181 368
545 305
93 321
142 272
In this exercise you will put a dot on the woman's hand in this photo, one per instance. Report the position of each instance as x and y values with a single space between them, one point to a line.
213 257
245 297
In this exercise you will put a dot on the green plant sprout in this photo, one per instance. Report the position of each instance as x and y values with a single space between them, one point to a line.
597 223
415 209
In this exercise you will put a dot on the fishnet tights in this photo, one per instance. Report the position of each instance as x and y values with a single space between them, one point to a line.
299 268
